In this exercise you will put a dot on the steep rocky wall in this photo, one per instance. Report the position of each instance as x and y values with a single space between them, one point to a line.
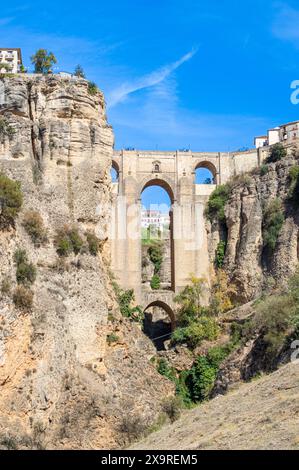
61 384
245 257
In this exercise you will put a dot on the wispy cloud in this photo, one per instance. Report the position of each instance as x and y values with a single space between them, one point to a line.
5 21
285 24
120 93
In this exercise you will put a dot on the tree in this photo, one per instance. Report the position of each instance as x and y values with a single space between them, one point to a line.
43 61
278 152
189 301
79 72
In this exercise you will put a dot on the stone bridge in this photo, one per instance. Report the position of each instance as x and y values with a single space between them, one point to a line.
175 172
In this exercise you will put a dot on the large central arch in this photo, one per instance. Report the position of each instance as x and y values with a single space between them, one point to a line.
164 182
166 185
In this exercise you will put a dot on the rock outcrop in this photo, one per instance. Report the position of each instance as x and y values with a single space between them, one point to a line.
62 384
245 261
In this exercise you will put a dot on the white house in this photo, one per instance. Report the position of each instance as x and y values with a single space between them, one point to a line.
284 133
10 60
156 219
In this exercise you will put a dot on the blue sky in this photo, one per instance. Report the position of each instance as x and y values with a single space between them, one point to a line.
209 75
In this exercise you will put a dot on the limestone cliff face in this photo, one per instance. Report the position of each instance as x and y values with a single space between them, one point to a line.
245 259
62 385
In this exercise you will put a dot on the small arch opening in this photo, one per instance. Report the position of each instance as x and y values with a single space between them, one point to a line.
158 323
205 173
114 172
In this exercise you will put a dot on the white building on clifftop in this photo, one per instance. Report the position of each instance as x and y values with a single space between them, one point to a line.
10 60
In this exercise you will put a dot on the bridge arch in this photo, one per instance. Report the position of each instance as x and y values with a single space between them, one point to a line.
162 182
159 329
205 164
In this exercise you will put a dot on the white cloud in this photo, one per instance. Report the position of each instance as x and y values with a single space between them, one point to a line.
285 24
120 93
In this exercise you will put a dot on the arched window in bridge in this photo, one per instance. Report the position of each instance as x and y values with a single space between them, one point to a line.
205 173
156 167
114 172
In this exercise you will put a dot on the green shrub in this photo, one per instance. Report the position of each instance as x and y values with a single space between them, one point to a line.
93 243
201 379
189 301
43 61
220 254
5 129
23 298
155 282
172 407
264 169
112 338
156 256
294 185
125 299
11 200
26 272
68 240
165 369
273 319
273 219
5 286
34 226
216 203
92 88
204 328
278 152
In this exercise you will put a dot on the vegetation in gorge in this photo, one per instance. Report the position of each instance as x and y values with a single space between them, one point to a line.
5 129
68 240
25 271
273 219
276 319
34 226
93 243
155 282
11 200
125 299
223 294
294 185
194 324
220 254
216 203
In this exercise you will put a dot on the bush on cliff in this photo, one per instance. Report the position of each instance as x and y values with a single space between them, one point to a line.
216 203
155 282
11 200
155 252
125 299
205 328
294 185
92 88
93 243
23 298
34 226
5 130
68 240
26 271
273 219
278 152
